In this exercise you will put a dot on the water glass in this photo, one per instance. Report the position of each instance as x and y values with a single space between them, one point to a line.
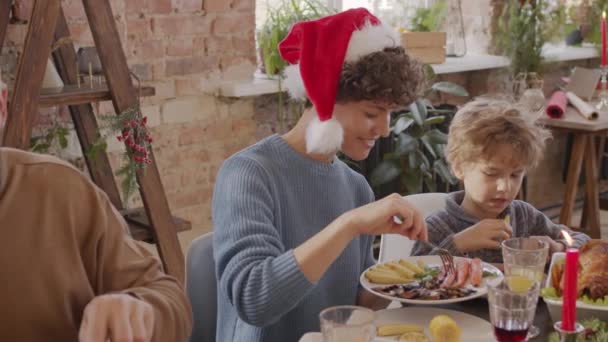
525 258
512 312
347 323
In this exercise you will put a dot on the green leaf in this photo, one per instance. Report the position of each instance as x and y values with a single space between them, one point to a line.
434 120
442 170
403 122
430 183
63 141
416 114
405 144
436 136
424 159
450 88
412 180
413 161
427 144
421 109
385 172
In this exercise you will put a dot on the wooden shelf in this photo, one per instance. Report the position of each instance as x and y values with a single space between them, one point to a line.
140 226
72 95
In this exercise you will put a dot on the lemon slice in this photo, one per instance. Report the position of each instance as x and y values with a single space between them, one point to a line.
519 283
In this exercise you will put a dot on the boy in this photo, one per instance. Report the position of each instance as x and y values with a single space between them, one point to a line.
491 145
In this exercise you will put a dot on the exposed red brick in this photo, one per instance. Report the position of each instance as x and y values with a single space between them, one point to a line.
189 5
188 86
244 45
217 5
149 49
159 6
218 45
233 23
191 65
243 4
199 46
180 47
135 6
73 9
139 29
181 25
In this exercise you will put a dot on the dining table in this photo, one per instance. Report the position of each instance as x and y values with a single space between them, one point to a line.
477 307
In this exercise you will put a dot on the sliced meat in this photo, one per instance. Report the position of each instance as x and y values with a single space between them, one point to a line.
476 272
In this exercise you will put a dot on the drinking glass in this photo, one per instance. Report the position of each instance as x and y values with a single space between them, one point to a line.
347 323
525 258
512 312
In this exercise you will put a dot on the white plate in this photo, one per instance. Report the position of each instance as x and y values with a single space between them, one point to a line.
474 329
583 310
435 260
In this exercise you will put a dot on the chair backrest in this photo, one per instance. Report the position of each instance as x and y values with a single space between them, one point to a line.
394 246
201 288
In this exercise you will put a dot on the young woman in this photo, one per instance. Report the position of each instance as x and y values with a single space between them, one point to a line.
293 224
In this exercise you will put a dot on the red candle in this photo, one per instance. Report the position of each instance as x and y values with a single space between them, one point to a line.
604 38
570 290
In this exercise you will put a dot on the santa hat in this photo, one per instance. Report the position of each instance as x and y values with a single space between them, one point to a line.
316 51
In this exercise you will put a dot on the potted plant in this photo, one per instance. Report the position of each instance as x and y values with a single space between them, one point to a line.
418 136
278 23
424 41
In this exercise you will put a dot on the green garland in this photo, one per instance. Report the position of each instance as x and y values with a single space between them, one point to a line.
129 127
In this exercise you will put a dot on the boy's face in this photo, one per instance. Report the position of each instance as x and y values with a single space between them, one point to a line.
363 123
491 184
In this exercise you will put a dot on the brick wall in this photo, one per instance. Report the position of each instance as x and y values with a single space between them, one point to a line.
183 48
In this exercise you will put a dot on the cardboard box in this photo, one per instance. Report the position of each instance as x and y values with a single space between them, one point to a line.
427 47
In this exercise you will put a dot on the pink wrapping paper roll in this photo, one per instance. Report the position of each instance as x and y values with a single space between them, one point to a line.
557 105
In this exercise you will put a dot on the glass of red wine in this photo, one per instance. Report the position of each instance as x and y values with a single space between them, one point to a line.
512 308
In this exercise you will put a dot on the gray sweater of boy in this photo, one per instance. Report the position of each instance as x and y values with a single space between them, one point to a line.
525 221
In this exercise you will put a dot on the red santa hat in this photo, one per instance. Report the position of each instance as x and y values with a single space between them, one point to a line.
316 51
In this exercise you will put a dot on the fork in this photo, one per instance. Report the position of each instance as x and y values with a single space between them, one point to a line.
447 260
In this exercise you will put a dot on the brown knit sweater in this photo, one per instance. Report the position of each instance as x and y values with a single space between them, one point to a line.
63 243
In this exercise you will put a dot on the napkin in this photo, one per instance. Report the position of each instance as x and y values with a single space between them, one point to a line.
556 106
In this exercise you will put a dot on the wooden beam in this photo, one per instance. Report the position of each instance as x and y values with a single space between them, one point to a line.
23 106
74 95
124 97
5 16
83 116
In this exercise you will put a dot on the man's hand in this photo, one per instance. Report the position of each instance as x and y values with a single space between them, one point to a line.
485 234
117 317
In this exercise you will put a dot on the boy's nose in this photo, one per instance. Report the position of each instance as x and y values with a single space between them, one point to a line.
503 185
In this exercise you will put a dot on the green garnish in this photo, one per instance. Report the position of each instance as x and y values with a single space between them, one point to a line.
551 293
489 274
596 331
429 272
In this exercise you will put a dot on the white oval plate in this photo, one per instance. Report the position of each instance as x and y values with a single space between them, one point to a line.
435 260
474 329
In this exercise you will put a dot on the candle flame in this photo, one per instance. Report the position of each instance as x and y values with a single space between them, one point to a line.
604 14
568 238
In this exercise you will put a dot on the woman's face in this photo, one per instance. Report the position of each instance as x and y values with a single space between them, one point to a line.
363 122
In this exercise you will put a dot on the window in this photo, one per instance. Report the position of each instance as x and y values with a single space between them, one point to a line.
391 12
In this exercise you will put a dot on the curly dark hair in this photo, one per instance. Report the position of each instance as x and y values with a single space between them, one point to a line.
390 76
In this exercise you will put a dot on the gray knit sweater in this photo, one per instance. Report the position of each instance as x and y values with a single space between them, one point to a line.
268 200
525 221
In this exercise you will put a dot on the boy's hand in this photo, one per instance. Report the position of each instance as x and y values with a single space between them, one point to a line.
554 246
487 233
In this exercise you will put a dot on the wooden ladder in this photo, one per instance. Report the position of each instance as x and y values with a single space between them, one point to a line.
153 222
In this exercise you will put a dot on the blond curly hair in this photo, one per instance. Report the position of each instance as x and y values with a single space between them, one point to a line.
482 125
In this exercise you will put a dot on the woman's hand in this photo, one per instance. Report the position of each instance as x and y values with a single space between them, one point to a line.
485 234
390 215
